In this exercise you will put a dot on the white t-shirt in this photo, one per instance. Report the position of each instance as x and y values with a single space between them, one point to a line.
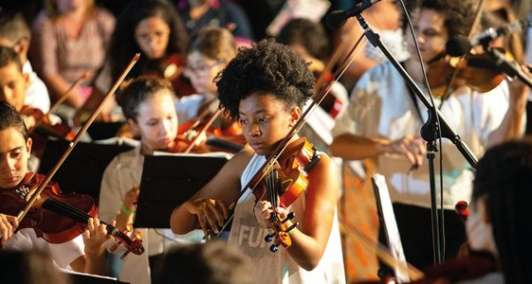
62 254
381 107
247 236
36 94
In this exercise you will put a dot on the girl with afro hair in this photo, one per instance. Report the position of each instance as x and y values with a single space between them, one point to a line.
265 88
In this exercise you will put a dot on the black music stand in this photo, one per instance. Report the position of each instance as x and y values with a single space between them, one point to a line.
168 181
82 171
85 278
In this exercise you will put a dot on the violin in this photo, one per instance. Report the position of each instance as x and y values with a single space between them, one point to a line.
171 68
474 266
40 128
229 129
58 217
330 104
284 185
476 71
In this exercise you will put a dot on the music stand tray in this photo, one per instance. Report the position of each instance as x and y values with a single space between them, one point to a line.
168 181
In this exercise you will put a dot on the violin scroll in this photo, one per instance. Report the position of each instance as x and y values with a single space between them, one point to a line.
281 232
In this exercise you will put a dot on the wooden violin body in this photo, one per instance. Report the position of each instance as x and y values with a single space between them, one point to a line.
284 185
57 217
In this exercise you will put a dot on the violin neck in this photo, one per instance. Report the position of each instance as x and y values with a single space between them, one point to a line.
66 210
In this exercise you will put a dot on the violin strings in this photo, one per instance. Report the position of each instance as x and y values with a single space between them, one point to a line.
78 215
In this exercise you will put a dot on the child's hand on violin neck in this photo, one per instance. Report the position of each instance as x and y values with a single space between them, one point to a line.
95 237
211 213
8 224
263 213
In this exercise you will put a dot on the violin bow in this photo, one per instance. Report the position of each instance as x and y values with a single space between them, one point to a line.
68 92
380 250
270 163
203 130
76 139
474 25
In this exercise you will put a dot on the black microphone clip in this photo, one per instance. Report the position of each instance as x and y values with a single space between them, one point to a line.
336 19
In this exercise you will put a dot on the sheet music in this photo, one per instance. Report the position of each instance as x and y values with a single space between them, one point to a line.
392 232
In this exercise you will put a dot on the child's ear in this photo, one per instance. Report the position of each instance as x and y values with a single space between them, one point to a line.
133 124
22 46
29 143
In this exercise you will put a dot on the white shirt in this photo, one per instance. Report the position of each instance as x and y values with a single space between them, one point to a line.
381 107
62 254
36 94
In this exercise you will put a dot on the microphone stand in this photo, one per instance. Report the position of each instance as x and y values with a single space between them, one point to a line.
429 132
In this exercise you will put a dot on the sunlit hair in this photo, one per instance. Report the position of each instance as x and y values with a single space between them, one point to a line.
308 34
9 118
267 67
457 14
214 42
13 26
138 90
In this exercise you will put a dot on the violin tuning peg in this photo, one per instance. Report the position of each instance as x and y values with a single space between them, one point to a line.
291 227
137 235
269 237
129 228
274 248
290 216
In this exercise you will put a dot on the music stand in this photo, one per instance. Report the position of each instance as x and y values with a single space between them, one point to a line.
82 171
169 180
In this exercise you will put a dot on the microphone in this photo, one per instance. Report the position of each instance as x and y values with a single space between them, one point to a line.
336 19
461 45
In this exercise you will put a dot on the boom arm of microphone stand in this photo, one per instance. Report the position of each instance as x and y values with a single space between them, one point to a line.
446 130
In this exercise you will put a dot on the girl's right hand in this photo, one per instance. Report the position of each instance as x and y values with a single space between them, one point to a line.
8 224
131 198
211 213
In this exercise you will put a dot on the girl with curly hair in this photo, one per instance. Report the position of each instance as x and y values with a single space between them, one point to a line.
265 87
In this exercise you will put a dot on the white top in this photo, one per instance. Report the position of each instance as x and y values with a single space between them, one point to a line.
381 107
187 107
62 254
248 237
319 124
394 41
122 174
36 94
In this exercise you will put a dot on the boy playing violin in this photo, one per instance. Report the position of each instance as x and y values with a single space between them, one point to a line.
85 253
265 87
15 33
